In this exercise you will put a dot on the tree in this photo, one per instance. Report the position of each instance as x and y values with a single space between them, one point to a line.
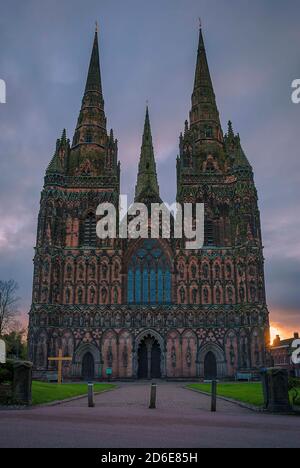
16 346
8 305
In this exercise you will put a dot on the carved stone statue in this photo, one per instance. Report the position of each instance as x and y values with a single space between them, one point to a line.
104 295
182 295
188 357
173 357
218 295
92 295
205 270
80 296
205 295
194 296
110 356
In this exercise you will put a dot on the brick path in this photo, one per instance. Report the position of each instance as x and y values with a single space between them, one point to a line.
121 418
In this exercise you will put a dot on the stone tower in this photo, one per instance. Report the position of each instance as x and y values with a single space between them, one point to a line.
149 307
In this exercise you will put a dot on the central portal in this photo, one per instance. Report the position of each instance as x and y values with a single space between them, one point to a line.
149 359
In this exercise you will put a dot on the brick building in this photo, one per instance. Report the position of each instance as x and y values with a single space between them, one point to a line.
281 352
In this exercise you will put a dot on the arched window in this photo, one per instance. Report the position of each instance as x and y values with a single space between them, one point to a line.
149 276
89 230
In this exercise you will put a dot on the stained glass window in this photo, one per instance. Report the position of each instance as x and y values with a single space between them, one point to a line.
149 275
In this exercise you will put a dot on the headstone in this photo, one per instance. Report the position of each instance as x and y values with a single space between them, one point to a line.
276 391
2 352
22 382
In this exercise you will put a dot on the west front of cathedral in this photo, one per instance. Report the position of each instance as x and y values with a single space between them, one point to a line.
149 308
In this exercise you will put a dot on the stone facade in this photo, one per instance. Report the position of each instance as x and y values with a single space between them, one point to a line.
149 308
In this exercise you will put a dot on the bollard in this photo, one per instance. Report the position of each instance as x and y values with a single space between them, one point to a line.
91 395
153 396
214 396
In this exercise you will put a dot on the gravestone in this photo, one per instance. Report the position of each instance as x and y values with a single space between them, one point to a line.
275 389
22 381
2 352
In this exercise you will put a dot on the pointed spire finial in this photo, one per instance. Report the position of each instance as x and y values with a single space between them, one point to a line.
200 22
97 27
230 129
204 96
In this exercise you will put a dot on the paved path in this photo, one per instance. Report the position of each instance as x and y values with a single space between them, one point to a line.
122 419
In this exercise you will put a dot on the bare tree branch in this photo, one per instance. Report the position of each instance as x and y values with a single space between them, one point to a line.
8 304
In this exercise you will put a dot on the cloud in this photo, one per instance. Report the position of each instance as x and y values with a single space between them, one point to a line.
286 320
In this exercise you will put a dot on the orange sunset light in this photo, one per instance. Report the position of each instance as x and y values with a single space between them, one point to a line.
274 331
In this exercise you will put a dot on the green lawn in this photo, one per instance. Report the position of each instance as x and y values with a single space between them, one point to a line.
250 393
247 392
47 393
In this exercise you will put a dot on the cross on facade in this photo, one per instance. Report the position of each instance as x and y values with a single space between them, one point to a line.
60 359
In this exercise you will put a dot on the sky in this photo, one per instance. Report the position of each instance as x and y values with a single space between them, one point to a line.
148 53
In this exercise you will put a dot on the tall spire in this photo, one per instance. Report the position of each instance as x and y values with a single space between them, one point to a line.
94 75
91 126
204 115
147 185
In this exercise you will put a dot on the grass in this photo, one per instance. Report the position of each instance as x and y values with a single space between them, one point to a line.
47 393
251 393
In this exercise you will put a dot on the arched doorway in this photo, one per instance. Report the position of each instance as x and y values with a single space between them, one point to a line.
210 366
155 361
149 359
143 361
88 367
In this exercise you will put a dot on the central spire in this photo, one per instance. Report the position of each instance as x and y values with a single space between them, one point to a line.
204 116
147 185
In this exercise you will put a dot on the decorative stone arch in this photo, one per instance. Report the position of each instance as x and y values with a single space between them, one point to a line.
138 340
189 347
136 244
231 351
109 350
41 349
173 354
257 349
220 358
79 355
125 353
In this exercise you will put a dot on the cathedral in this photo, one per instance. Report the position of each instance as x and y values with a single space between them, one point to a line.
149 308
